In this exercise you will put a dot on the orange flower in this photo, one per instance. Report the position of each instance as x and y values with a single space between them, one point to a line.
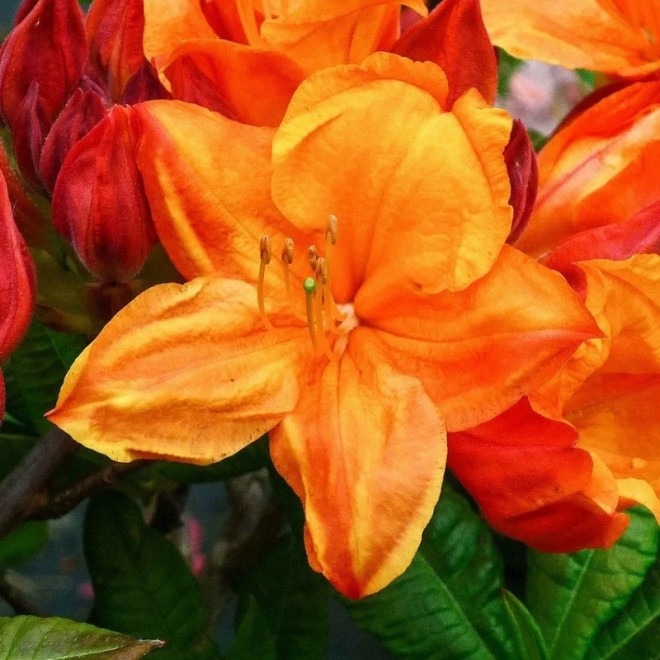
619 37
599 182
246 58
414 317
609 389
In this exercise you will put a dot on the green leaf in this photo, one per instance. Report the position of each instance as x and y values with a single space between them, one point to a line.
32 638
448 603
571 596
507 64
634 633
527 636
34 373
254 637
22 543
285 607
143 586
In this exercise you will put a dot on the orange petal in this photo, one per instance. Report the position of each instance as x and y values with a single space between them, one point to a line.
168 24
208 184
533 484
454 37
424 190
615 410
247 84
479 350
592 34
601 168
319 34
365 452
184 373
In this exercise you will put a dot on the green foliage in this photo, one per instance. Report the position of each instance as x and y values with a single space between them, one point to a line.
34 373
527 637
32 638
142 585
284 608
507 64
573 596
448 603
22 543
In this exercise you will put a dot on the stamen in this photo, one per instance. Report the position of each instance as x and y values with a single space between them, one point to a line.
330 239
323 299
265 257
309 286
312 257
287 259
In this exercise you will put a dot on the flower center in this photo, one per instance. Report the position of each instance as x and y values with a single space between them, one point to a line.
328 323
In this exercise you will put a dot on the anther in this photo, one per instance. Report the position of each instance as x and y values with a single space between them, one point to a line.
265 257
331 229
312 257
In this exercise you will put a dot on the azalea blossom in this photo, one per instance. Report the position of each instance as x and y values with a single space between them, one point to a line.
618 37
350 293
245 59
598 181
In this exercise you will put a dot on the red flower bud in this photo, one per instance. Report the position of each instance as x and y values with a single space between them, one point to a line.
46 48
84 110
99 204
454 36
29 220
114 33
144 86
523 172
17 279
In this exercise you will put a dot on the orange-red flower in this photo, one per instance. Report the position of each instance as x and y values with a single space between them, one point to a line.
609 389
599 182
407 317
619 37
245 58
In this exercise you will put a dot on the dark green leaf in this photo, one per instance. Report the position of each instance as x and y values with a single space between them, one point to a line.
448 603
22 543
34 373
526 637
254 637
634 633
142 585
285 607
571 596
32 638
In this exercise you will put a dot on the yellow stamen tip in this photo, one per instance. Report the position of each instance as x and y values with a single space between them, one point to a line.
287 251
264 250
312 256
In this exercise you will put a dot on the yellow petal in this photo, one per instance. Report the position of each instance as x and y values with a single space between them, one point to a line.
365 451
184 373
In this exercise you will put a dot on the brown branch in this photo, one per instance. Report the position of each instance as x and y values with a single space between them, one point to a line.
62 502
27 484
16 599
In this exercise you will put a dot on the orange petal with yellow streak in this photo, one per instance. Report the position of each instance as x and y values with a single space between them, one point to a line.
423 190
186 373
365 451
590 34
479 350
207 179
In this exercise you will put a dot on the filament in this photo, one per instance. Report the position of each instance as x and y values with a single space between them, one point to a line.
264 260
309 286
